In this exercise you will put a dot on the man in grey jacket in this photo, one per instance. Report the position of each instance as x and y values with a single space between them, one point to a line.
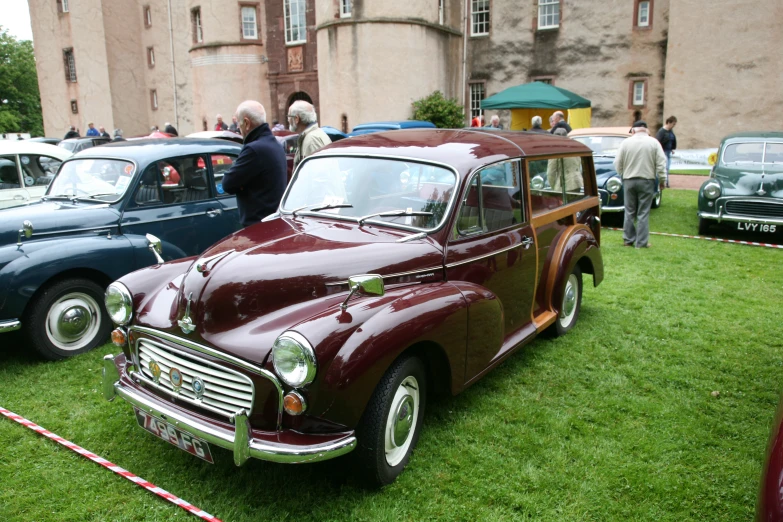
641 163
302 119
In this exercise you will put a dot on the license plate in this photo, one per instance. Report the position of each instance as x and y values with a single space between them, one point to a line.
756 227
173 435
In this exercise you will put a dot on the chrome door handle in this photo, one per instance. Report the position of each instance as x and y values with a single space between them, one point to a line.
527 241
214 212
19 197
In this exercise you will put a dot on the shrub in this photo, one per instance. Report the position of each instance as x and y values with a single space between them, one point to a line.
445 113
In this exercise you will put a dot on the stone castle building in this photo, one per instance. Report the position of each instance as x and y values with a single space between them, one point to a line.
135 63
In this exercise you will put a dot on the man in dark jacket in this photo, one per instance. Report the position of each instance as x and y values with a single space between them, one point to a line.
72 133
258 176
558 119
668 141
170 129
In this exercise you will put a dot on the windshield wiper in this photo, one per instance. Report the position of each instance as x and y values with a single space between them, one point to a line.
94 196
393 213
322 207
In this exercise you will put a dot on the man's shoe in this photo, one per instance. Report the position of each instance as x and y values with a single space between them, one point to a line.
628 244
648 245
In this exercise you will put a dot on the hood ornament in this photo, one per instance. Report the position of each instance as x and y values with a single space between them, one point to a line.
202 265
761 191
186 324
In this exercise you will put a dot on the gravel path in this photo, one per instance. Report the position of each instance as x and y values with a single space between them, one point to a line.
678 181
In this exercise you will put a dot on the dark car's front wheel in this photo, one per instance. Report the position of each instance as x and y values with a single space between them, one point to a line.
704 227
391 424
571 304
67 318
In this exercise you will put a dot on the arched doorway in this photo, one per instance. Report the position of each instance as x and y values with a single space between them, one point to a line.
300 95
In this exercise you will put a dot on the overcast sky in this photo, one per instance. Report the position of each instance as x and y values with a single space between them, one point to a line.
15 16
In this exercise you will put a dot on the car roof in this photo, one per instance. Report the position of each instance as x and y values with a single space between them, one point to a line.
402 124
146 150
33 147
84 138
776 135
601 131
462 149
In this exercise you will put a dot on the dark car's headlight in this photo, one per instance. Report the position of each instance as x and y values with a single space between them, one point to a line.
614 185
119 303
294 359
711 190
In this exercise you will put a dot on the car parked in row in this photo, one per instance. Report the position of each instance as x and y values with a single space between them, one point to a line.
290 141
58 255
605 142
381 126
745 189
75 145
399 264
26 169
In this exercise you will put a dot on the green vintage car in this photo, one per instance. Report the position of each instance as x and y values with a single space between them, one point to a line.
745 189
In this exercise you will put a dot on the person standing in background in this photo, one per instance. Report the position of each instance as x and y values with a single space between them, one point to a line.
220 125
303 119
92 131
234 127
103 132
668 142
170 129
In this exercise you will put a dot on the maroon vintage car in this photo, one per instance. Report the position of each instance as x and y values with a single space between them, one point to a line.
769 507
398 265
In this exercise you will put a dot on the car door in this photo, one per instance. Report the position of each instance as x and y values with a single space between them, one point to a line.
174 201
221 163
12 191
493 246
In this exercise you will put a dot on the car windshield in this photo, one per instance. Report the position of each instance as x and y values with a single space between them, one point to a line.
744 153
397 193
602 145
93 179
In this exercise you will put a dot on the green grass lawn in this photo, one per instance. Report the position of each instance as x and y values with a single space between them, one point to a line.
691 172
615 421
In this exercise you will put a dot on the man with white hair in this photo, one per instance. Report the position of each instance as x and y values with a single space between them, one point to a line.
302 119
536 121
258 175
641 162
494 123
558 118
220 125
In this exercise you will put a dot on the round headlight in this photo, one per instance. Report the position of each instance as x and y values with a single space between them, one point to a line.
294 359
537 183
119 303
712 191
614 185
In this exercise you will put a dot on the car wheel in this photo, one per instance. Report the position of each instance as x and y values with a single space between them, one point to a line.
704 227
571 305
67 318
391 424
656 202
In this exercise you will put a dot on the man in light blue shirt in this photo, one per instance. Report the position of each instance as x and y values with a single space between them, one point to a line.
92 131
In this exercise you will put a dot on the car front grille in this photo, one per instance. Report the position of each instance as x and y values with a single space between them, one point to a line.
225 391
755 208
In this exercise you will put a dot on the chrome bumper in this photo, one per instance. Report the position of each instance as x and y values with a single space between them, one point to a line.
612 209
239 440
739 219
10 325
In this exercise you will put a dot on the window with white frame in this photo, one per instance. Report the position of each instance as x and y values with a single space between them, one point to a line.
638 93
476 95
295 23
643 18
249 24
345 8
70 65
195 18
66 9
548 14
479 17
441 9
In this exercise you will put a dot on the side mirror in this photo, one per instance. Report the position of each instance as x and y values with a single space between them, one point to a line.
26 231
156 247
368 284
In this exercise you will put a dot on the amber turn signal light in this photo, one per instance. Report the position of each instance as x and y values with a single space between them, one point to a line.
294 404
118 337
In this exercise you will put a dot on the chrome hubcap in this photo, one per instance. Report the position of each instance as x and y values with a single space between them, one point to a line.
568 310
401 422
73 321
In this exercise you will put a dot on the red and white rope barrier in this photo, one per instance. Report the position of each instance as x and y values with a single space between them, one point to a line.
112 467
717 239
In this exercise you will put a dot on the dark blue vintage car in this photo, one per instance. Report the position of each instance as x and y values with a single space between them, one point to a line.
605 141
58 255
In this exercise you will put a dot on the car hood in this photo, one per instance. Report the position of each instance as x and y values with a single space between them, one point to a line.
248 289
749 181
50 218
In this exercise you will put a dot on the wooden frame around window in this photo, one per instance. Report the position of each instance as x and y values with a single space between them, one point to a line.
631 87
649 15
242 37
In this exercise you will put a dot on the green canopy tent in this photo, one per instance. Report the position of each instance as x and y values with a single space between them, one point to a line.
540 99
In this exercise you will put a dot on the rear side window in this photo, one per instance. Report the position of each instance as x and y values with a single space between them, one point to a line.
174 180
556 182
493 200
38 170
221 163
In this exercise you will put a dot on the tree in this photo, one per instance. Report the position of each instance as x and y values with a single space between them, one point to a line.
445 113
20 100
